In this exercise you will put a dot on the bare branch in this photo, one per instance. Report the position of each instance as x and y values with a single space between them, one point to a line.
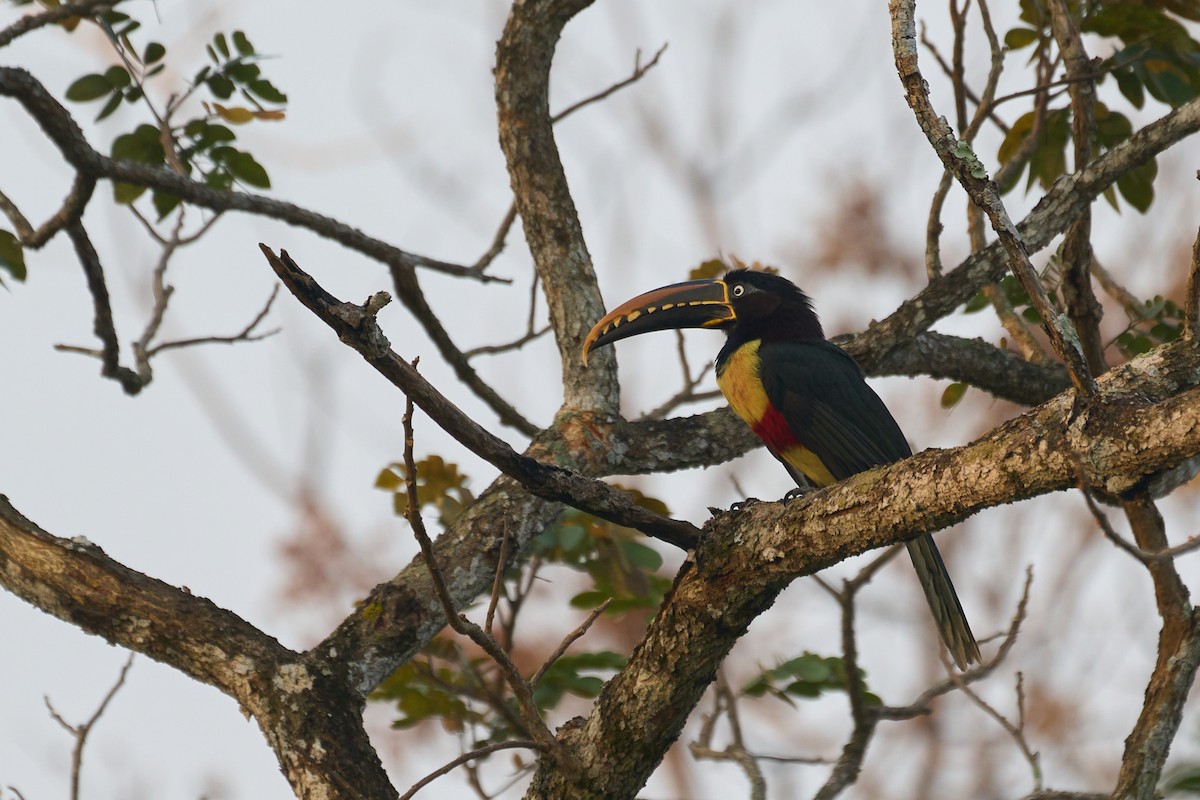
246 334
357 327
639 70
544 203
481 752
1082 307
31 22
1015 731
569 640
920 705
958 158
70 211
81 731
735 751
530 716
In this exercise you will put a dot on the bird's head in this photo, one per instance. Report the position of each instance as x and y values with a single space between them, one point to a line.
747 304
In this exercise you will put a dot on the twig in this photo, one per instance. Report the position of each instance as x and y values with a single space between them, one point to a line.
471 756
1147 557
81 731
497 582
1017 732
1191 313
530 716
569 640
736 750
920 705
246 334
638 71
515 344
510 216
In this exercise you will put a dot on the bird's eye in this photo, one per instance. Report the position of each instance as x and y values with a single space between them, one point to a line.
738 290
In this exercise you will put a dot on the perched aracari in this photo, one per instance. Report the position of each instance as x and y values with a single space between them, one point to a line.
804 396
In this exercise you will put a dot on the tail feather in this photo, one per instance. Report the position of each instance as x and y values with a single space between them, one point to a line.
943 601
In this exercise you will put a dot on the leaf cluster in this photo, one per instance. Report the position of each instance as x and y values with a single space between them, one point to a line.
1157 57
807 676
203 144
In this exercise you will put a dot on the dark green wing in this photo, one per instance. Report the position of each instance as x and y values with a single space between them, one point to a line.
830 409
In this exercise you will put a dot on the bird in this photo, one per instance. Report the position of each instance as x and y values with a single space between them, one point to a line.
805 397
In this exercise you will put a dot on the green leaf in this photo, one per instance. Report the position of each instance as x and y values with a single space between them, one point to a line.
242 44
142 145
222 45
126 193
89 87
1017 38
108 108
641 556
220 86
164 203
243 72
953 394
153 53
117 76
265 90
247 170
976 303
1130 86
571 536
12 256
1137 185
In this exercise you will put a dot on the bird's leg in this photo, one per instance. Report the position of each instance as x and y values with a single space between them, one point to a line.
799 491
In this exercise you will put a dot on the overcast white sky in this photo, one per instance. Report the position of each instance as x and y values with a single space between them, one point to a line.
390 128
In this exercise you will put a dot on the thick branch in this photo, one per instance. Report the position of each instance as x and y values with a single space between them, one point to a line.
745 558
543 199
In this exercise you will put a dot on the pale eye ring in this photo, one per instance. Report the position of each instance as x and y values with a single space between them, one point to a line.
738 290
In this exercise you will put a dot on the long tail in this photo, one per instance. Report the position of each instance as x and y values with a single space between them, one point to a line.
943 601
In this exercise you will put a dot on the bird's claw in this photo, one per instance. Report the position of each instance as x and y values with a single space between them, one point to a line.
799 491
742 505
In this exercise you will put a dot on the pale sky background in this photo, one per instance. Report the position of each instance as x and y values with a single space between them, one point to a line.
391 128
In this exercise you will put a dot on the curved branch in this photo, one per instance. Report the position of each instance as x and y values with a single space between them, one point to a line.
356 326
543 199
746 558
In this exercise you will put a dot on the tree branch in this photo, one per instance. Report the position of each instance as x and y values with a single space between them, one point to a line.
745 558
1061 205
958 158
356 326
543 199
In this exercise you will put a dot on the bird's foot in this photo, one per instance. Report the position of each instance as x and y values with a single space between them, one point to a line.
799 491
742 505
